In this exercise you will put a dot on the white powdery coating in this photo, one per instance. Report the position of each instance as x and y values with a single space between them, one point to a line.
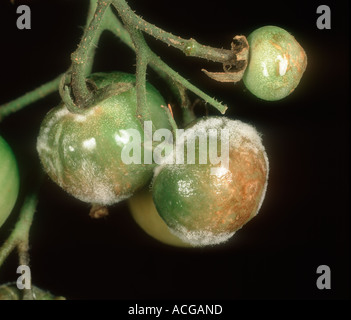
185 188
241 135
200 238
100 191
83 117
42 142
43 138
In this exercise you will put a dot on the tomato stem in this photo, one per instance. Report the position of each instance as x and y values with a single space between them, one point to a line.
133 25
80 57
19 237
190 47
29 98
85 53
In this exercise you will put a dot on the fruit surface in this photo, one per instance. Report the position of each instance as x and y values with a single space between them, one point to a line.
83 152
205 204
276 63
9 180
146 216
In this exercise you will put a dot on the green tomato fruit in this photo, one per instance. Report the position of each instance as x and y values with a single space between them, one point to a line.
9 180
144 213
276 63
82 153
204 202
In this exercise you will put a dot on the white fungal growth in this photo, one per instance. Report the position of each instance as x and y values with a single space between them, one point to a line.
241 135
200 238
42 142
92 184
83 117
220 172
185 188
101 190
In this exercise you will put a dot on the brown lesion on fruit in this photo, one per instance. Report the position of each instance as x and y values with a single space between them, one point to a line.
240 203
277 46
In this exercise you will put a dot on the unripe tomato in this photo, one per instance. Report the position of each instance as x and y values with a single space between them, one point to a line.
276 63
144 213
9 180
203 206
83 152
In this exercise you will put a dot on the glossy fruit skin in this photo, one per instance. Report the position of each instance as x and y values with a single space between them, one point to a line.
82 152
9 180
144 213
207 209
276 63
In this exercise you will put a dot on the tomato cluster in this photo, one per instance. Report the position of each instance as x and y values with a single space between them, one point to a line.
189 205
193 203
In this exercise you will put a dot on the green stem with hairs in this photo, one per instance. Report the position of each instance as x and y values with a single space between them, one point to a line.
29 98
82 95
53 85
19 237
129 20
83 64
189 46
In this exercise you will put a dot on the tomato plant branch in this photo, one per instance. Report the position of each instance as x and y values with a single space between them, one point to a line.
53 85
91 53
29 98
20 234
19 238
174 75
142 61
190 47
156 63
91 36
82 95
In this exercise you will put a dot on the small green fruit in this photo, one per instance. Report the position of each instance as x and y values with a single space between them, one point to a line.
205 203
9 180
276 63
82 153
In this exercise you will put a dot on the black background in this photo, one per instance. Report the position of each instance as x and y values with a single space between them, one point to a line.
304 221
